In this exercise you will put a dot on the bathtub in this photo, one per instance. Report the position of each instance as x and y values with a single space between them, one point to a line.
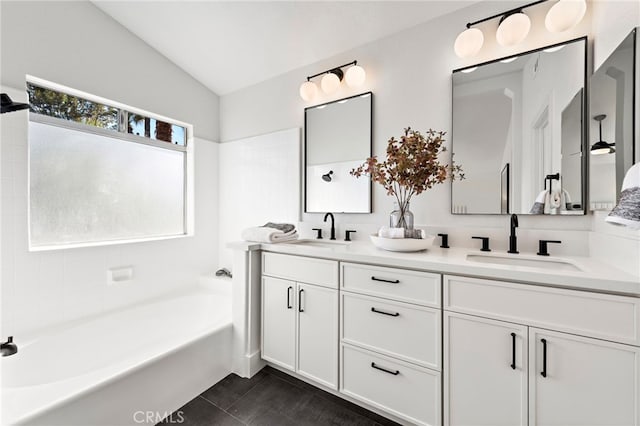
131 366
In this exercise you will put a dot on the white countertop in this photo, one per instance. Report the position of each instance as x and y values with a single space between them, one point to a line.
592 276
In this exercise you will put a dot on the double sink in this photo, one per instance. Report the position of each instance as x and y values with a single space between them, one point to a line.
519 260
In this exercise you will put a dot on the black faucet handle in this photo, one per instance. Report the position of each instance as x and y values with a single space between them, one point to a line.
319 233
445 240
542 247
348 233
485 243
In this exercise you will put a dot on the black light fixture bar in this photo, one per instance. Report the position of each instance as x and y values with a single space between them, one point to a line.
333 69
507 13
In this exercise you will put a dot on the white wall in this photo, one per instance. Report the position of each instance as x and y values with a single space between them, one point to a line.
259 182
75 44
410 76
45 288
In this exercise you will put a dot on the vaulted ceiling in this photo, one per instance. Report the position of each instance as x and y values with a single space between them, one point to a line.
229 45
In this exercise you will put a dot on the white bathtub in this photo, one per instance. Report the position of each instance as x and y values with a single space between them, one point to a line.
132 366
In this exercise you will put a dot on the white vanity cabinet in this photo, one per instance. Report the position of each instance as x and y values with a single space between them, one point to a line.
390 347
518 354
300 315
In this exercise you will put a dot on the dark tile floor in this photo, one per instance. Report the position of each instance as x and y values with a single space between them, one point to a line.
272 398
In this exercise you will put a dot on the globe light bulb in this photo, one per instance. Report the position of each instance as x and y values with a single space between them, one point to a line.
330 83
355 76
564 15
513 29
468 43
308 90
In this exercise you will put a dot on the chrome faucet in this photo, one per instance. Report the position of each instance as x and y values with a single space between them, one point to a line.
333 227
513 240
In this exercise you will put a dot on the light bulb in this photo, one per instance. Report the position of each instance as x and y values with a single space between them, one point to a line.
308 90
355 76
564 15
330 83
513 29
468 43
509 60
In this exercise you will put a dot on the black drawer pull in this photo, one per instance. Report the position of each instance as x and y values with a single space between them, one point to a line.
395 373
544 358
396 314
289 297
385 281
513 351
300 301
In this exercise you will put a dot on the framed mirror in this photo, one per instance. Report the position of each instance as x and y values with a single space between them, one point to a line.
612 124
338 138
519 133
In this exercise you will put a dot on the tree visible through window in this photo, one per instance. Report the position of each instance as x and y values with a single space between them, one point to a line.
101 173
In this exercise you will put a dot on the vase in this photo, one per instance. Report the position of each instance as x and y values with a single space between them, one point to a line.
401 216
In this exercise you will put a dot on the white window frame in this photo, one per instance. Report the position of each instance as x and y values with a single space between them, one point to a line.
188 149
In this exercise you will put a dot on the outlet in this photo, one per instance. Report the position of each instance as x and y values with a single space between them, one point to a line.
119 275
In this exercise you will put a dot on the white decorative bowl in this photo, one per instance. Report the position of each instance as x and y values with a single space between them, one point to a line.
402 244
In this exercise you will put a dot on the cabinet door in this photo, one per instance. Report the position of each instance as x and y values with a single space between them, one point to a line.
485 371
318 334
582 381
279 322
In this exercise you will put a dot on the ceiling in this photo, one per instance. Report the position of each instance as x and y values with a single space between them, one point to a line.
229 45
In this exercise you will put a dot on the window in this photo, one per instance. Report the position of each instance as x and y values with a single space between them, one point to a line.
101 172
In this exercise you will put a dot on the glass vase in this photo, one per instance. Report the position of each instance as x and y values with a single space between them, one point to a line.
401 216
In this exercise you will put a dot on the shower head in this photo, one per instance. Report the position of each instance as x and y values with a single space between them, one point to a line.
327 177
8 348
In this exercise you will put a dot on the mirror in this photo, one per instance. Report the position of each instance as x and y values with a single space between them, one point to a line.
338 137
612 124
519 134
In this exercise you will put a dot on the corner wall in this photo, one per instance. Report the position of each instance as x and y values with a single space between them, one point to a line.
76 44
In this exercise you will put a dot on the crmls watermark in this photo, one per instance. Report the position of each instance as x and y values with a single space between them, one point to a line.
154 417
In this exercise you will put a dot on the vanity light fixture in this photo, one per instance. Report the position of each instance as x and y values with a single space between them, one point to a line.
601 147
355 76
9 106
514 25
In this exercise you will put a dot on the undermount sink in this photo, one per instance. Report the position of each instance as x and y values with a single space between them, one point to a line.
548 264
321 244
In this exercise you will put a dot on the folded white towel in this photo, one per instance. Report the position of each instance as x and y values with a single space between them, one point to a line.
262 234
386 232
627 211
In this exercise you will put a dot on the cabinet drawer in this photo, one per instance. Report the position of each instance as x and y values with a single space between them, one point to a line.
398 329
398 284
303 269
404 390
609 317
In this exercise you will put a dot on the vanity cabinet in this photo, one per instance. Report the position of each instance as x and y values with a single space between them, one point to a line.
513 355
299 318
390 340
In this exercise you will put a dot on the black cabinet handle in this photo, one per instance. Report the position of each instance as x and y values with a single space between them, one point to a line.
300 301
544 358
289 297
386 281
513 351
396 314
395 373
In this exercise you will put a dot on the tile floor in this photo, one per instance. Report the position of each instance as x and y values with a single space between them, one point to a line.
272 398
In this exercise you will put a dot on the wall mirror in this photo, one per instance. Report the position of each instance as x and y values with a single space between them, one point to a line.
613 123
338 137
519 133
